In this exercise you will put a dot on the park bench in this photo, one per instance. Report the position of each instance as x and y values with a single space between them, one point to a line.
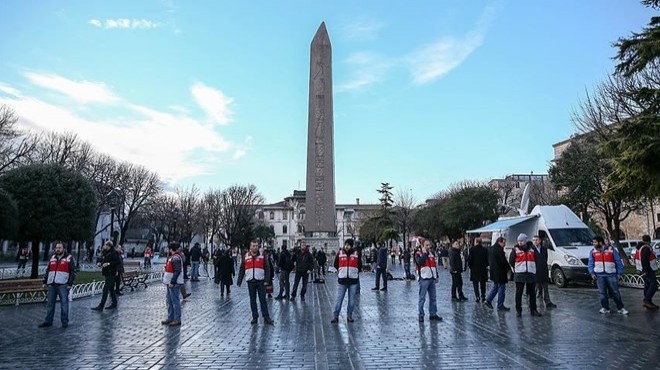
132 276
32 288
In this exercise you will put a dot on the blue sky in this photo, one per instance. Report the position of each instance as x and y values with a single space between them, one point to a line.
426 93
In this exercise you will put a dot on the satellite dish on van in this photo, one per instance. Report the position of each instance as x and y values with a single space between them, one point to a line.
524 202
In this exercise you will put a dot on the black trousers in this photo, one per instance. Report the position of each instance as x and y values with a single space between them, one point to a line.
109 288
118 282
304 276
531 296
457 285
479 284
381 272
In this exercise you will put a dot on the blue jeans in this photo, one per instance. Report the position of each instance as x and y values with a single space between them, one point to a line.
195 270
53 292
427 286
650 286
254 288
173 303
610 282
406 268
341 291
498 289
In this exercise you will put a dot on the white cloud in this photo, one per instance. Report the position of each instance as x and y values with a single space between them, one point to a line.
239 153
437 59
80 91
362 29
367 69
213 102
9 90
124 23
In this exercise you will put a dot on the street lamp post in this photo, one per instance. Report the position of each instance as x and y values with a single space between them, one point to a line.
176 216
112 197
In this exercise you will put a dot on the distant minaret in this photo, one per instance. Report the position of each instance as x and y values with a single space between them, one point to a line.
320 193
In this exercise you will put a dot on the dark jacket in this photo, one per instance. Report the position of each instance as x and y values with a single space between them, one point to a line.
406 257
186 253
381 259
521 277
111 257
477 261
321 258
304 262
226 270
455 261
499 267
285 261
541 258
349 281
196 253
267 276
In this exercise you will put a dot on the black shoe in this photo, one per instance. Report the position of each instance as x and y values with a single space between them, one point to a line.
518 314
536 313
302 298
334 320
166 322
253 322
550 305
435 318
463 299
175 323
455 299
375 289
111 307
503 308
222 294
421 318
279 297
350 319
293 298
384 290
269 321
477 300
97 308
45 324
187 295
65 325
488 304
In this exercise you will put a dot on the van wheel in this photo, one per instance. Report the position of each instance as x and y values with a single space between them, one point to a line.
559 278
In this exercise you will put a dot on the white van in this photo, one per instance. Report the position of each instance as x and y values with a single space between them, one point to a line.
568 239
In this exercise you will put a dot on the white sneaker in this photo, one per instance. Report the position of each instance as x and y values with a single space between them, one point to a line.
604 310
623 311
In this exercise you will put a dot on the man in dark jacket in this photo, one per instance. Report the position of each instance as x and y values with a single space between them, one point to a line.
109 262
524 268
406 263
226 272
195 259
381 268
348 264
321 260
456 269
478 263
285 262
646 262
304 265
542 273
186 254
499 268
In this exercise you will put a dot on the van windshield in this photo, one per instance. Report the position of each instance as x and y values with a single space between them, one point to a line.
572 237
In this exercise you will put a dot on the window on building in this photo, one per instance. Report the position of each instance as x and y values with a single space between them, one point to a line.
284 229
272 228
658 216
285 244
272 215
285 215
261 215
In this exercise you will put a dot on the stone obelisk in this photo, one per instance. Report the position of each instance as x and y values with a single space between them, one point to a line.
320 214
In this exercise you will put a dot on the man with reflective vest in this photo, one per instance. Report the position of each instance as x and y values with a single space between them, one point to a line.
173 280
605 267
148 254
59 280
524 274
348 264
428 274
647 265
256 271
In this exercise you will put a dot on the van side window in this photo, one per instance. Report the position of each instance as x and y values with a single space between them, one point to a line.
545 241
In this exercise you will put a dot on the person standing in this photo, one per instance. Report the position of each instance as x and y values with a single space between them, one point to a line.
255 270
444 256
304 265
428 274
348 264
605 267
195 259
23 256
120 270
477 261
226 272
406 263
499 269
148 254
456 269
542 271
173 279
523 262
381 268
321 260
285 262
185 253
647 265
60 274
109 263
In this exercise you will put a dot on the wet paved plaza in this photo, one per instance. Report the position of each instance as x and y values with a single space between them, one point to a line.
216 333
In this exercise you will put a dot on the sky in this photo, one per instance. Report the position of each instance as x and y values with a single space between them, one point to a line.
214 93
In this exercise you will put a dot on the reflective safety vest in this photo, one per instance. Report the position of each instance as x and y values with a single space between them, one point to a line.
254 267
169 270
429 269
524 261
348 265
58 270
652 260
148 253
604 261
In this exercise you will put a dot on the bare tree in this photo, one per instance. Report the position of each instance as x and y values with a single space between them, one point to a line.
190 216
404 208
212 211
15 146
239 204
137 186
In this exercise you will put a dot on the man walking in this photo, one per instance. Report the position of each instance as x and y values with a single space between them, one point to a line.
321 260
499 268
109 263
381 268
348 265
647 265
522 260
542 271
406 263
456 269
605 267
304 265
173 279
285 262
478 264
255 269
428 274
60 274
23 256
195 259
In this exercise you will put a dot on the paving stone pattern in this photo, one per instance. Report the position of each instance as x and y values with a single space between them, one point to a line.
216 333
